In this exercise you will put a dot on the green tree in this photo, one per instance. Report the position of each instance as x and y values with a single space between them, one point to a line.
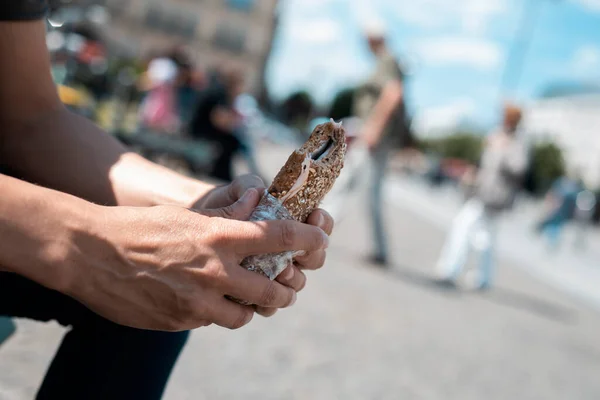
341 106
462 145
547 164
297 109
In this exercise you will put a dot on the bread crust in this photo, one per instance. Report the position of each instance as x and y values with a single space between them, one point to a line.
321 175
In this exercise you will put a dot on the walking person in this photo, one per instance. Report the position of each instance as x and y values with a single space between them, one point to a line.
494 185
379 103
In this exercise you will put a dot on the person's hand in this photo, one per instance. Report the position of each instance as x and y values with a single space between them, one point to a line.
370 137
293 276
223 196
169 268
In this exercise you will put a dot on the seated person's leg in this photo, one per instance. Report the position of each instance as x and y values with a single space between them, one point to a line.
97 358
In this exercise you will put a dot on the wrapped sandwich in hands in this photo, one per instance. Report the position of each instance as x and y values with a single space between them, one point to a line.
298 188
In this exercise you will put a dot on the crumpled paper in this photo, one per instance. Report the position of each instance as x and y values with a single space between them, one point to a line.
271 264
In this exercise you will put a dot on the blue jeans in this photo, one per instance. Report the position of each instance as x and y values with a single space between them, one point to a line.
378 161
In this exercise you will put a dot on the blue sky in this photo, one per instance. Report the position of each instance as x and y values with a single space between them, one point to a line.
454 50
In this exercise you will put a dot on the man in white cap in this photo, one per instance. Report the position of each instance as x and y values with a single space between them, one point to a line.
379 103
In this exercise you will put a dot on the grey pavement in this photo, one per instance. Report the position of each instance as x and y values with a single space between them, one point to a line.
358 332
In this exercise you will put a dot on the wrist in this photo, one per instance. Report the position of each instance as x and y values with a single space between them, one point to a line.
39 227
139 182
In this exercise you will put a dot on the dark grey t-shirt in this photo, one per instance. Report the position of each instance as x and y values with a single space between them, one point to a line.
23 10
387 69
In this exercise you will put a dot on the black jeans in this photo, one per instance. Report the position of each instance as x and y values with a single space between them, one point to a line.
97 358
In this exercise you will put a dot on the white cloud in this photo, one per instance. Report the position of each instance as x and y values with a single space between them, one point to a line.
586 61
593 5
471 16
478 53
319 31
438 120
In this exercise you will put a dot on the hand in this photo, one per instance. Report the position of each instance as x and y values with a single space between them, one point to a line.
370 137
170 268
293 276
223 196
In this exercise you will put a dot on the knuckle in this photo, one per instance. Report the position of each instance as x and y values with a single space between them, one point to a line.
302 283
319 238
269 295
227 212
321 260
288 234
244 318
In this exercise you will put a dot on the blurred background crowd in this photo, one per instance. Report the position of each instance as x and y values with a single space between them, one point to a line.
215 88
151 67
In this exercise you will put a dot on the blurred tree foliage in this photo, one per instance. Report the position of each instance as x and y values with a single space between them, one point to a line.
547 164
341 107
462 145
546 159
297 109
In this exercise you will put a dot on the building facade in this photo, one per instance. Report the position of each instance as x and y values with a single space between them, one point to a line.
573 123
213 31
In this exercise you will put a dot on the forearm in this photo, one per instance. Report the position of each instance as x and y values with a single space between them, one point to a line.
66 152
388 101
37 226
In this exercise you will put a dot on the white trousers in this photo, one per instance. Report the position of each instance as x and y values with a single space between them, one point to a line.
473 228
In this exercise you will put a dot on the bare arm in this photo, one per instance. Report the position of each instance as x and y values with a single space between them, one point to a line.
389 100
44 143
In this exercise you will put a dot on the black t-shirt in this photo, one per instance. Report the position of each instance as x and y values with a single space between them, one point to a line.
23 10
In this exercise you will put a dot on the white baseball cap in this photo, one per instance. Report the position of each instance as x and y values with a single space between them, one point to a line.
374 28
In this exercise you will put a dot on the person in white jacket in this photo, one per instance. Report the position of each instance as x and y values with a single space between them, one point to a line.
494 184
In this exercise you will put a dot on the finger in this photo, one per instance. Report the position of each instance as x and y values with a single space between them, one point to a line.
293 278
240 210
229 314
311 261
265 237
243 183
322 219
265 311
257 289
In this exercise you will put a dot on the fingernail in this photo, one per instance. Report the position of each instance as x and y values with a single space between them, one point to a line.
289 274
321 220
247 195
325 241
294 298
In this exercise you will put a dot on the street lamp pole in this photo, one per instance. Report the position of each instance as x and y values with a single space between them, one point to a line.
515 61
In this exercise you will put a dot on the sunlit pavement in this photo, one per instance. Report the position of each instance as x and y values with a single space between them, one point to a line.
358 332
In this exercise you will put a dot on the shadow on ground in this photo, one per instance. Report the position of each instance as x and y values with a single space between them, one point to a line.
498 295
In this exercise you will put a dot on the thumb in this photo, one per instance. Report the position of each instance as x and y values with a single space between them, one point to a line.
240 210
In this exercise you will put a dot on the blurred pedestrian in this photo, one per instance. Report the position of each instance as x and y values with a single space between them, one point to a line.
158 111
493 187
216 120
380 104
561 207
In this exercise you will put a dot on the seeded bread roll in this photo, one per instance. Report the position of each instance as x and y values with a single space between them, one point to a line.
297 190
310 172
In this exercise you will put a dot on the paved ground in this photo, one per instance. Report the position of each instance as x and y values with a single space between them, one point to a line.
361 333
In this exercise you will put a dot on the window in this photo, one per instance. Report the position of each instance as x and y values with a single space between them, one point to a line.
171 22
242 5
229 38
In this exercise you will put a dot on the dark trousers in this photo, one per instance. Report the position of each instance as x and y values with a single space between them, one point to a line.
97 358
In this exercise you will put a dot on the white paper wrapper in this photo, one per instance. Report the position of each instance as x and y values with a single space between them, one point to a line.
272 264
